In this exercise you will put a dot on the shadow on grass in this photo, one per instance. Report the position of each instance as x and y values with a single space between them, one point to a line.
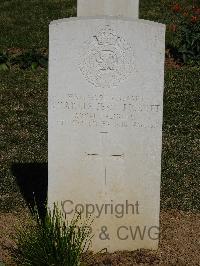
32 179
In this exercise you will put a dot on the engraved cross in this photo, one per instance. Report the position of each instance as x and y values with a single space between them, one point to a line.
105 156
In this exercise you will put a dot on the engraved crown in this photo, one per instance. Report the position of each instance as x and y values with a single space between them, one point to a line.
106 36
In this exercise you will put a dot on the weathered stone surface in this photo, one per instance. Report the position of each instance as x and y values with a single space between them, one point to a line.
122 8
106 80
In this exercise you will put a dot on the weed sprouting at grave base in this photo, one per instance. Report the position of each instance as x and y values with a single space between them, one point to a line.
53 241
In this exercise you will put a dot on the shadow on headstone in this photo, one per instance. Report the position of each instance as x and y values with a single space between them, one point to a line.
32 179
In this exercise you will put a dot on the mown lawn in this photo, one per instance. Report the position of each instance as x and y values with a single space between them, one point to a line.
23 105
180 160
24 24
23 127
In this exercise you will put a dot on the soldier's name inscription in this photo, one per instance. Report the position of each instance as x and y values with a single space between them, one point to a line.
99 110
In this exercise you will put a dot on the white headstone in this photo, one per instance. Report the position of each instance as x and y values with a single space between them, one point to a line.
122 8
106 80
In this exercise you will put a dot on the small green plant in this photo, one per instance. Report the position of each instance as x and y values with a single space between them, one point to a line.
184 34
53 241
4 61
25 60
30 59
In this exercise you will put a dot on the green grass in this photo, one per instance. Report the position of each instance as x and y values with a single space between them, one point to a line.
23 125
181 134
24 24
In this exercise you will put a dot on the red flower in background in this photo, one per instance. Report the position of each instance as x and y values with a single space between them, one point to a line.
176 8
194 19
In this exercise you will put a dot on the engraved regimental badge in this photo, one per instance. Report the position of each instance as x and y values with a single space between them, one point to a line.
107 59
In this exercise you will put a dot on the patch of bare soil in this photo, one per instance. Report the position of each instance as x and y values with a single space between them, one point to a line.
171 63
8 224
179 242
